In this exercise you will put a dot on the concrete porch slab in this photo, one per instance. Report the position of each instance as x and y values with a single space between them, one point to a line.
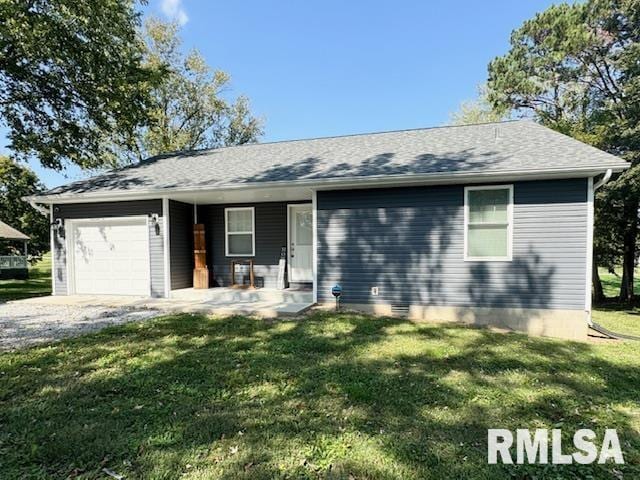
217 301
242 295
261 302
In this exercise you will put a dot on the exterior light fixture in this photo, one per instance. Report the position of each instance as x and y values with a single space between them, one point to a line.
155 221
58 226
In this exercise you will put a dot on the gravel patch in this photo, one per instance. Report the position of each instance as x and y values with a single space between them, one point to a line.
23 324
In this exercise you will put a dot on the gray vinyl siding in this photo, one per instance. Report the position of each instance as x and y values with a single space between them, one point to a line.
409 242
105 210
181 244
270 237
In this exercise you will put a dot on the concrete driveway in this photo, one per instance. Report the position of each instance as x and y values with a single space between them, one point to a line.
44 319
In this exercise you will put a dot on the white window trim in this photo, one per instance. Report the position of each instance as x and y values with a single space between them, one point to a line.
227 233
509 255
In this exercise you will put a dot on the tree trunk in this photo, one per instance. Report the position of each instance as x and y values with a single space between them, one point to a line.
629 255
598 292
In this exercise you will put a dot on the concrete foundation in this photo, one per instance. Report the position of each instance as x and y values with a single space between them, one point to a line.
565 324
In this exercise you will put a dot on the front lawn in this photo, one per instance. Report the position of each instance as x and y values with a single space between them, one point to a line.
339 396
37 285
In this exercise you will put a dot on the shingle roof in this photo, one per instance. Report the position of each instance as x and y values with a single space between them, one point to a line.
10 233
515 146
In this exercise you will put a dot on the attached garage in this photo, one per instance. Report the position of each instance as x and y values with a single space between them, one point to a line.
109 256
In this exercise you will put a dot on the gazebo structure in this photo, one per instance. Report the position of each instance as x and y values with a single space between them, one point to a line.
13 266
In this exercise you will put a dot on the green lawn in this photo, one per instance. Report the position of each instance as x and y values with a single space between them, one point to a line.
332 396
611 282
38 284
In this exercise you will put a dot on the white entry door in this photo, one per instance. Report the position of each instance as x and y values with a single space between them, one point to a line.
301 243
110 256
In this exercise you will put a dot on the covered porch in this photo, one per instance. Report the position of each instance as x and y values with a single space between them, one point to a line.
258 247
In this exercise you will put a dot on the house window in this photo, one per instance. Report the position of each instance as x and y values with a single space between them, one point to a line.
488 224
239 232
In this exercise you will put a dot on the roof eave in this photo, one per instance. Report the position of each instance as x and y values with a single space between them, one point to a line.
339 183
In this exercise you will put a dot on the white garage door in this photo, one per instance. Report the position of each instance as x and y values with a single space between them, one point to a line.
111 256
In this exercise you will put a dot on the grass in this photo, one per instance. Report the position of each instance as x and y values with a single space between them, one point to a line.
330 396
611 281
620 320
37 285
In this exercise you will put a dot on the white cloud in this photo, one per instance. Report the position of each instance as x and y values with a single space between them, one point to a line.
174 10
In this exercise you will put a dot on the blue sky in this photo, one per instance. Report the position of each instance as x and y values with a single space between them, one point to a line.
318 68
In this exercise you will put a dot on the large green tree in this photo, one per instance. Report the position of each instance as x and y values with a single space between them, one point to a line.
71 75
189 107
478 110
17 181
576 68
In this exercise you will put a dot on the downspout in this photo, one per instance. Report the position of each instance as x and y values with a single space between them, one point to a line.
47 212
595 186
592 325
603 180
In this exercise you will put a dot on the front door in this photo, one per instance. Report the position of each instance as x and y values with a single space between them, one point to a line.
301 243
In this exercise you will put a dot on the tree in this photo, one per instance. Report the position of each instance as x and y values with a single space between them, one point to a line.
17 181
576 68
70 76
188 110
478 110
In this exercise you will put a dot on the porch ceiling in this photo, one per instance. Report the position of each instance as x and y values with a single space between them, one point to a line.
241 195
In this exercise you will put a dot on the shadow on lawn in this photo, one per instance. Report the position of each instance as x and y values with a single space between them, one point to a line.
330 396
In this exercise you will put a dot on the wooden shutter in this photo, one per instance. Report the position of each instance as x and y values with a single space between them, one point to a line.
200 272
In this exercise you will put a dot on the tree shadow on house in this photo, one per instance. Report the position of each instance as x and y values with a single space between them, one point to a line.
409 243
202 168
319 167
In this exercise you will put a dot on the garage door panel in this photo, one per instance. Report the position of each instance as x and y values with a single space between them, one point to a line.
122 265
138 265
112 257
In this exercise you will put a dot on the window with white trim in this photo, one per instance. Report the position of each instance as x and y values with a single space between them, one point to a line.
488 222
239 232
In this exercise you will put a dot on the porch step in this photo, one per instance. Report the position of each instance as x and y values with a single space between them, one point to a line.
258 309
226 295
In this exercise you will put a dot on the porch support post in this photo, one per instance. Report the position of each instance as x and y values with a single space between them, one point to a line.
314 211
166 247
52 234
